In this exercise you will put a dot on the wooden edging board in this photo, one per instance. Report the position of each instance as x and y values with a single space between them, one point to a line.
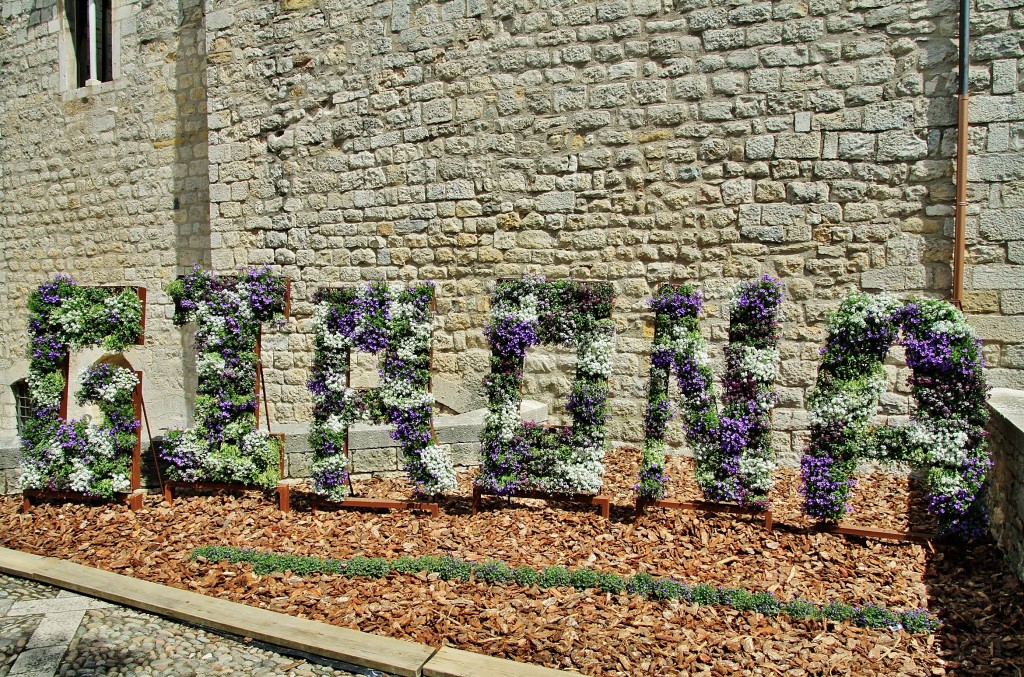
393 656
449 662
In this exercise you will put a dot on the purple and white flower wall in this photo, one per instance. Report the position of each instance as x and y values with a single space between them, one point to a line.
946 435
226 444
397 323
732 450
77 455
519 457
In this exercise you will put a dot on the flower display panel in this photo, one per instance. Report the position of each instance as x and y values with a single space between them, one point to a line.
519 457
77 455
946 435
225 445
395 323
732 449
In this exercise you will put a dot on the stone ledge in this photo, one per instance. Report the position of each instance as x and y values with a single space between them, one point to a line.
1006 496
373 450
10 448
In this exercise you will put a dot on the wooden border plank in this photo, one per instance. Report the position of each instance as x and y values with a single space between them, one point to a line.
449 662
390 655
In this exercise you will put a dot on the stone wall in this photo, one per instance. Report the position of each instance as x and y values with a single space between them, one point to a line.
106 183
1006 498
636 141
639 142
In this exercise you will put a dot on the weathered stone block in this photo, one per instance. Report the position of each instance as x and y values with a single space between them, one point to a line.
901 145
999 276
857 146
760 147
558 201
798 146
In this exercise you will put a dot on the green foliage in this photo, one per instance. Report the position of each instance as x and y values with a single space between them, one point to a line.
582 579
371 567
704 594
525 576
493 571
610 583
554 577
644 584
800 608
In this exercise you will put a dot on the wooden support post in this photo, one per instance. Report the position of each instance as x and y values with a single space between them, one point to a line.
603 503
378 504
844 529
709 506
282 490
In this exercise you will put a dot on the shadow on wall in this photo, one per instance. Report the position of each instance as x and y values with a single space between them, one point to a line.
191 169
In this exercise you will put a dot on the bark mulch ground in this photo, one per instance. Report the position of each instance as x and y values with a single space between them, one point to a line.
969 588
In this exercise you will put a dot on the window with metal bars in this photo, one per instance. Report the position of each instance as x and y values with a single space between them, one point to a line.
22 404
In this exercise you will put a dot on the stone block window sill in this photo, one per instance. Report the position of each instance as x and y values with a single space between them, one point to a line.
93 90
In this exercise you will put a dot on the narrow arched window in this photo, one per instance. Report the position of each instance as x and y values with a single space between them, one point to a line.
22 404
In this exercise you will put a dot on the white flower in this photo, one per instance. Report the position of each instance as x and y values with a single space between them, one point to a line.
81 477
691 343
330 339
945 481
101 442
210 365
761 363
46 389
942 442
332 465
336 382
32 476
851 405
504 419
255 442
756 472
120 484
437 462
594 354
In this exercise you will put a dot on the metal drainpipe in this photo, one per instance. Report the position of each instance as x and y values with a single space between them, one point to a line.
963 123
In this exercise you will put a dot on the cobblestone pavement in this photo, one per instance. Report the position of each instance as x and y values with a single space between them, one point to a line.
45 631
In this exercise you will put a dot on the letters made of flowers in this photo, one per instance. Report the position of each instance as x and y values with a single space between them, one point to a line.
226 445
77 455
526 457
733 450
396 323
946 434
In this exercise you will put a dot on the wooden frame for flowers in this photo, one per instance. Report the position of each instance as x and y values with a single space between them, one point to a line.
54 333
752 356
171 488
339 331
534 311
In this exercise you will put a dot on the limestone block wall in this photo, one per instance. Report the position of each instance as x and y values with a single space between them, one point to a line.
105 183
636 141
1006 498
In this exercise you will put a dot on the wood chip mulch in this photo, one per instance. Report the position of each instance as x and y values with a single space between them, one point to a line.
971 589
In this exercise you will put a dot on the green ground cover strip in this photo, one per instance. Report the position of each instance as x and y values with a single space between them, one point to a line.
643 584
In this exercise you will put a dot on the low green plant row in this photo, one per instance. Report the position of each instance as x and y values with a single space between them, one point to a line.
493 571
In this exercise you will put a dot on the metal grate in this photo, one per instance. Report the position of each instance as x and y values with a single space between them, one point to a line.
22 404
